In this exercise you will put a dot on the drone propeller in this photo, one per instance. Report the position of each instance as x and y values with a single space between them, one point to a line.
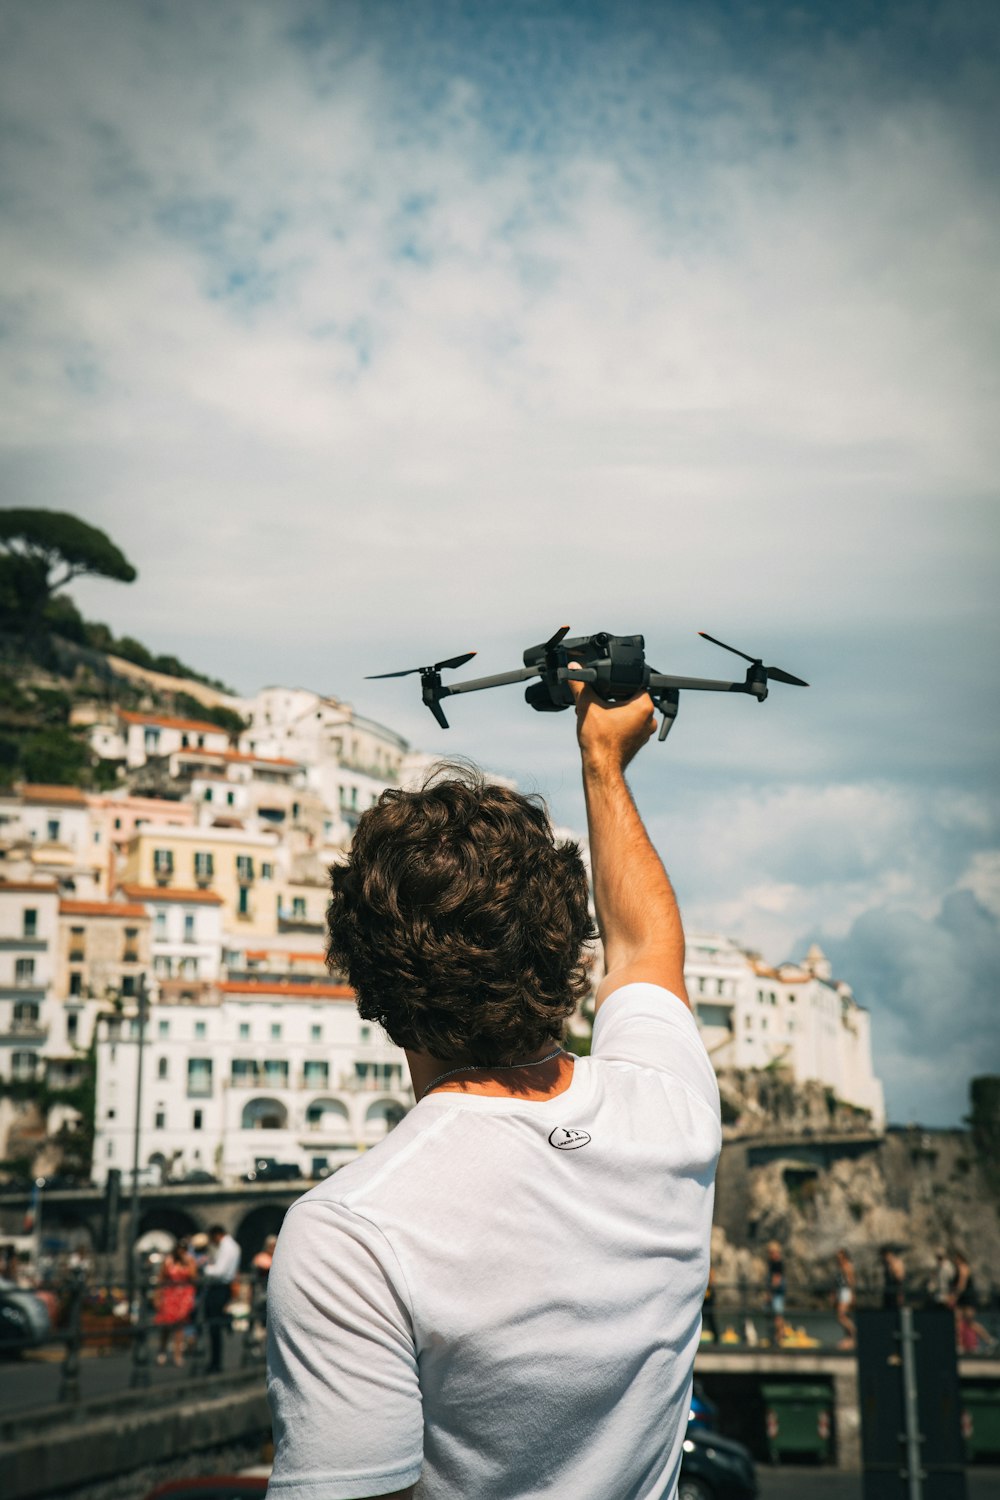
453 661
778 674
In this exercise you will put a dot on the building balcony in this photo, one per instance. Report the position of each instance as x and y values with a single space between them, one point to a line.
35 1031
199 1091
130 956
351 1084
23 944
77 955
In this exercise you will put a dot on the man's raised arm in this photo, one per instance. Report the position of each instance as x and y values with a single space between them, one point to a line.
637 913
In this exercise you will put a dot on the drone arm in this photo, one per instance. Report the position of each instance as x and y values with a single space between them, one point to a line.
476 684
708 684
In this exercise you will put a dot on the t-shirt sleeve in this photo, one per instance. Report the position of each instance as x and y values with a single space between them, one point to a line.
650 1027
341 1364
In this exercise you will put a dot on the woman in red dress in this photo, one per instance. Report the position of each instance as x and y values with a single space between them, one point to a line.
175 1300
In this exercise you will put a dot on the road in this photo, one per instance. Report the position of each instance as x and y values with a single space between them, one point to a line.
823 1484
33 1379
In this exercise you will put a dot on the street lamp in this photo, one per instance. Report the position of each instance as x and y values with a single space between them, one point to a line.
133 1228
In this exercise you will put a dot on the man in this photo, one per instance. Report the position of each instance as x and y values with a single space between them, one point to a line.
503 1298
219 1275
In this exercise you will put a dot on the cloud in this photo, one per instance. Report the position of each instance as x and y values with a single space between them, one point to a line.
935 1025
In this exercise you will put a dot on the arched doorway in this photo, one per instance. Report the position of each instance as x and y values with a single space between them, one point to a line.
264 1114
328 1117
381 1117
255 1227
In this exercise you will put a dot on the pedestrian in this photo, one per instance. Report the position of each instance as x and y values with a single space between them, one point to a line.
844 1297
218 1276
503 1297
708 1322
776 1287
175 1300
941 1280
893 1278
261 1265
969 1334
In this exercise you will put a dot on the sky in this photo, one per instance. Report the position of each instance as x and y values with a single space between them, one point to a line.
374 333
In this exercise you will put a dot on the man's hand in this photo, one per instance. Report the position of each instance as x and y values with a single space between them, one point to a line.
611 733
637 914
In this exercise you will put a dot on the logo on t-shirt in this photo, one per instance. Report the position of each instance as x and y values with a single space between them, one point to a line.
568 1140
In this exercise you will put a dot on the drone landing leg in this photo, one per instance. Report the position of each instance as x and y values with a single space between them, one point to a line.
669 702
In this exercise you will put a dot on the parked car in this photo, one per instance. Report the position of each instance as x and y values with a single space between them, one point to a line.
213 1487
715 1468
24 1319
265 1168
197 1175
704 1412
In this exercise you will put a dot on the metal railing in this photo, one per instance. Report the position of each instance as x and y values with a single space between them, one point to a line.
84 1332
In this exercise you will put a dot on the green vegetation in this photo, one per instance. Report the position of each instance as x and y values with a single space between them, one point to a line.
44 550
983 1121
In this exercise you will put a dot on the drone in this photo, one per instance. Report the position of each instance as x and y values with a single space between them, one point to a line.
615 666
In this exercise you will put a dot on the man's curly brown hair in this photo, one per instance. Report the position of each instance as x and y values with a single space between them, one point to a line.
459 921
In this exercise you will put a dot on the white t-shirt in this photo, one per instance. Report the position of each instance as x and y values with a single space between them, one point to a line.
503 1298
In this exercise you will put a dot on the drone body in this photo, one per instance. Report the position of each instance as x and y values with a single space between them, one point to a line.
615 666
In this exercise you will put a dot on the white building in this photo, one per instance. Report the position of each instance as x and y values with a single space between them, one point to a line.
136 738
350 759
29 939
753 1016
265 1067
48 831
186 930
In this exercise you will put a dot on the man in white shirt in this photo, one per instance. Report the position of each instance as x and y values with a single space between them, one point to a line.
503 1298
219 1275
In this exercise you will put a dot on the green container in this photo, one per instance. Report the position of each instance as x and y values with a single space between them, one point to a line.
980 1420
799 1421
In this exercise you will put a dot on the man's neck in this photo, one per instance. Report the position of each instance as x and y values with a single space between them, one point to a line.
426 1069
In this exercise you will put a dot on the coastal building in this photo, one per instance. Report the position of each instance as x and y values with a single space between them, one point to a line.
795 1015
242 866
29 939
275 1066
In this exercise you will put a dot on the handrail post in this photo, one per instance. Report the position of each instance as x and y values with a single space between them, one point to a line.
69 1380
139 1378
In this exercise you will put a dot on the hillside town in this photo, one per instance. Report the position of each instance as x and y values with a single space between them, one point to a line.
174 923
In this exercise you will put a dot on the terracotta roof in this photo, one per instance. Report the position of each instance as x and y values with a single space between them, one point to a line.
45 887
200 752
101 909
37 792
268 988
171 893
296 958
164 722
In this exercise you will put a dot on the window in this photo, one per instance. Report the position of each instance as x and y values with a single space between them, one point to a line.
299 908
275 1031
131 944
160 1122
199 1072
244 1071
316 1075
315 1033
52 830
160 922
24 971
162 1068
151 739
267 872
24 1065
163 862
276 1072
163 1028
72 1021
366 1033
208 798
111 1150
128 984
111 1114
243 903
230 799
204 863
76 982
244 867
196 1119
189 926
26 1013
320 1166
30 927
244 1031
200 1029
